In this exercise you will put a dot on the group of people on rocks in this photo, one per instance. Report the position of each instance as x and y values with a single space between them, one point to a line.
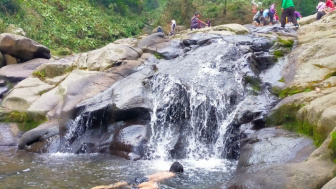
196 23
324 8
288 14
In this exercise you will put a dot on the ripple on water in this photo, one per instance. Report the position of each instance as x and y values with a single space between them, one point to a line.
58 170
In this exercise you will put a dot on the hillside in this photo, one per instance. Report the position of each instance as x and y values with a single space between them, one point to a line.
75 25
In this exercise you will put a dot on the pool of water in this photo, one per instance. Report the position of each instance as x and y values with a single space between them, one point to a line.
20 169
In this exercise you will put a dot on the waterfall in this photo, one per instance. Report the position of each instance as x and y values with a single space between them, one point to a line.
193 119
190 107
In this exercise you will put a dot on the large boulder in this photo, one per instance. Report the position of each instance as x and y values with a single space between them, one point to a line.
40 133
19 72
78 86
107 57
25 93
312 173
160 45
128 142
312 61
307 20
22 48
235 28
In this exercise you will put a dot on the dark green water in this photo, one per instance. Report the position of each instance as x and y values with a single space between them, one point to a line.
19 169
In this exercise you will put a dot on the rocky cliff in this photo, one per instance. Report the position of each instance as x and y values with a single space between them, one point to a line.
308 107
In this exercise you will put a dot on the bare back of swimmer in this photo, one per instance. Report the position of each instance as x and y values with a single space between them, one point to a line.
147 182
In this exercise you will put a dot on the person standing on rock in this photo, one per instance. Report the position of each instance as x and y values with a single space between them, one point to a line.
288 11
172 28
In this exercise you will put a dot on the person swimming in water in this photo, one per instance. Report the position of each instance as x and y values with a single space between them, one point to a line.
147 182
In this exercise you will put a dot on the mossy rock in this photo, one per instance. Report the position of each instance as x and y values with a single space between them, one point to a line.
283 93
286 116
254 82
52 70
286 42
26 121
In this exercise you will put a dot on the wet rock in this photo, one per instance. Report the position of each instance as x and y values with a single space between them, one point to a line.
2 83
273 146
19 72
9 134
158 44
264 61
130 140
314 172
40 133
3 90
22 48
261 44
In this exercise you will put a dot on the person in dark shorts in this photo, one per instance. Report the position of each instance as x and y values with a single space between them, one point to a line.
147 182
288 11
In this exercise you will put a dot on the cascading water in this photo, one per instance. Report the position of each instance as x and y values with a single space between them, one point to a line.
188 108
193 112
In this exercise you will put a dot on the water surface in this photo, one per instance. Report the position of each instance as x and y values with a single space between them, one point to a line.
20 169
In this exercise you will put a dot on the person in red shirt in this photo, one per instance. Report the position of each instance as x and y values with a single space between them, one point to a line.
329 4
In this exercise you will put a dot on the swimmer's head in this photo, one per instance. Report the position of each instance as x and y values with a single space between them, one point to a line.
176 167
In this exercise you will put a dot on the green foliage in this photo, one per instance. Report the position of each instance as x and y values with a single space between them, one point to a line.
332 144
159 56
286 117
286 43
305 7
254 82
330 75
25 121
39 74
75 25
282 93
10 7
282 80
278 53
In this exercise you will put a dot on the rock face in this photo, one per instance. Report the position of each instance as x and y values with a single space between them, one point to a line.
310 68
22 48
9 134
19 72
